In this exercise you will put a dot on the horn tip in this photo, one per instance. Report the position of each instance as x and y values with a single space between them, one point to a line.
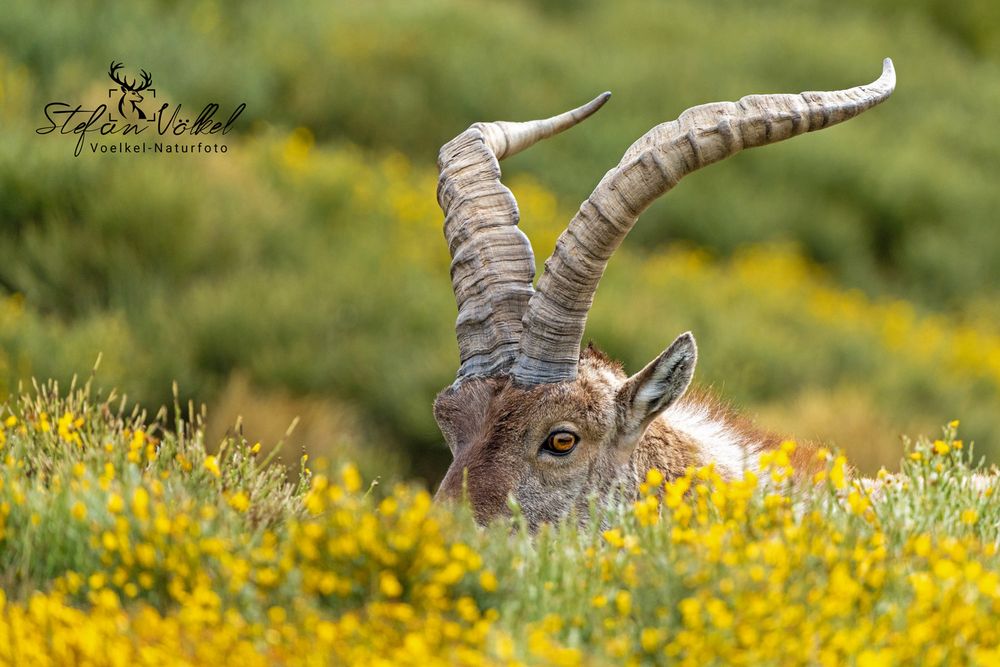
888 78
591 107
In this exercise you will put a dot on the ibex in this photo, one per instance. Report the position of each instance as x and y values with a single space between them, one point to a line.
131 92
532 416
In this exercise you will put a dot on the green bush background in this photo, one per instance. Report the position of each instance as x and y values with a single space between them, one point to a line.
843 286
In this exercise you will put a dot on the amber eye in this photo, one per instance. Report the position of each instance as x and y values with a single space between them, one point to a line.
560 443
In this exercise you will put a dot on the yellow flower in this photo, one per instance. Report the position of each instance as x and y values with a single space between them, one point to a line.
95 581
970 516
267 576
140 503
109 541
857 502
115 504
650 639
212 465
239 501
941 447
838 473
389 585
880 658
78 511
388 506
488 581
145 554
351 477
945 569
623 603
614 538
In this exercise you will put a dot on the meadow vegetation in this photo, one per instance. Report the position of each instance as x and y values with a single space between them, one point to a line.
125 543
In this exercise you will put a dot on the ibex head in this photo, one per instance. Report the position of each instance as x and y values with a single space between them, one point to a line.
531 415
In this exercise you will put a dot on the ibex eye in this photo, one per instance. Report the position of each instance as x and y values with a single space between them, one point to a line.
560 443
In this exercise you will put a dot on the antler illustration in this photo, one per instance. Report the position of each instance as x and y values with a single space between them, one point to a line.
114 76
147 79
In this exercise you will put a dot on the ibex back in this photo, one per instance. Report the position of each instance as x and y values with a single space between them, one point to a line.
531 415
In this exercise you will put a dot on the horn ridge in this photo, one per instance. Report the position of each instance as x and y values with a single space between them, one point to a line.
557 312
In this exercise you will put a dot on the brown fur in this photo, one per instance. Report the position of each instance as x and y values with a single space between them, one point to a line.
665 449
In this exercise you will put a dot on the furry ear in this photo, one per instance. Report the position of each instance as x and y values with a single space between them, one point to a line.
653 389
460 411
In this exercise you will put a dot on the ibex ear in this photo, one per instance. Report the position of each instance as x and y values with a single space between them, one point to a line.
461 411
653 389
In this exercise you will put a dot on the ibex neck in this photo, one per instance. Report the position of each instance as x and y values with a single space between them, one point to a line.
695 433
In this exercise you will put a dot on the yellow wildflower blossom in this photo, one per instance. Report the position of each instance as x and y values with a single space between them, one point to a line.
115 503
212 465
239 501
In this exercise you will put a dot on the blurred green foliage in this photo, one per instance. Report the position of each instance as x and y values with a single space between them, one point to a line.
310 257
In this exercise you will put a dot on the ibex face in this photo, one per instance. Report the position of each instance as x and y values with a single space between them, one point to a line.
531 417
549 446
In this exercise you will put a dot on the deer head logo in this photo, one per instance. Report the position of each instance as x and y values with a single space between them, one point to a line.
131 91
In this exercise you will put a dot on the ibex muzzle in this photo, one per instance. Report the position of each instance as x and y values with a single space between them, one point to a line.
530 415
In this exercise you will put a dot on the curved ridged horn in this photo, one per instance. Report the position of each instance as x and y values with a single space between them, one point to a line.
557 313
492 266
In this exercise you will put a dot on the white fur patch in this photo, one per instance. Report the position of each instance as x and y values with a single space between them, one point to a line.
649 394
610 377
719 443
